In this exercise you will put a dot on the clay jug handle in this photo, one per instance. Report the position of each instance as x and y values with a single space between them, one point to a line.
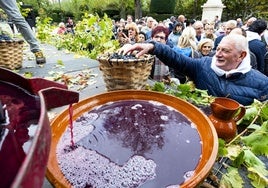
241 113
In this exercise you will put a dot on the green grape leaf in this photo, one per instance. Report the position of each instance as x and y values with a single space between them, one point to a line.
258 140
239 160
251 112
159 86
260 149
264 112
231 179
254 126
186 91
233 151
222 151
60 62
184 88
28 74
257 179
252 161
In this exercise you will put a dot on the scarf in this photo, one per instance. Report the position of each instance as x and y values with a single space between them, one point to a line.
253 35
243 68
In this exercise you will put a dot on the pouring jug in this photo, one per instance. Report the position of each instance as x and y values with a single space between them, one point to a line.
225 113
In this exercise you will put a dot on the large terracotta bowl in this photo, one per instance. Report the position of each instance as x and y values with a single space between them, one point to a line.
205 128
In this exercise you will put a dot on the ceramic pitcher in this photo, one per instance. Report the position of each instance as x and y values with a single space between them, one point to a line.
225 113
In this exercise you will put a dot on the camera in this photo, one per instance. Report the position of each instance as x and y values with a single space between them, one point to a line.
125 31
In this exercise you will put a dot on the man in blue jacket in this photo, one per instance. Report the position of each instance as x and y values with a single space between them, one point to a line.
227 74
256 45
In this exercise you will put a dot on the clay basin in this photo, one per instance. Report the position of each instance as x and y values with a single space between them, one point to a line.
204 127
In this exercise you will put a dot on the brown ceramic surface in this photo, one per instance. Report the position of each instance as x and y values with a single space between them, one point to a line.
225 113
205 128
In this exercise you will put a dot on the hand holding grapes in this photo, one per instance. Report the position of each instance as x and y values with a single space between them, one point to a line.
142 48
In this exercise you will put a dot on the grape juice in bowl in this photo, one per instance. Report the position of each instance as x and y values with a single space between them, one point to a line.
132 139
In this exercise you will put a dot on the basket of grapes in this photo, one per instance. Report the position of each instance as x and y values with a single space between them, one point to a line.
125 71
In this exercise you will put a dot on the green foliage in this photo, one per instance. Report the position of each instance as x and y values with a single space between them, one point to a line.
93 36
24 11
253 162
257 179
232 178
249 144
191 9
162 6
222 151
185 91
244 156
256 109
44 29
257 8
258 140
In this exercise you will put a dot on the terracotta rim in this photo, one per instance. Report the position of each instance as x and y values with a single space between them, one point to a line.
205 128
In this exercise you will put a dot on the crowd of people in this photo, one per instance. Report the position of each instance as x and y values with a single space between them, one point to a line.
196 38
65 28
225 58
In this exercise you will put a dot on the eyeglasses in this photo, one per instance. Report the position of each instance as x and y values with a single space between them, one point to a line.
198 28
159 37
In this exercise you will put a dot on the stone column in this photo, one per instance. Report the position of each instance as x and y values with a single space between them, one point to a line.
211 9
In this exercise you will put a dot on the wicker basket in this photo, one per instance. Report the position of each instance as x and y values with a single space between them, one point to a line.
11 54
120 74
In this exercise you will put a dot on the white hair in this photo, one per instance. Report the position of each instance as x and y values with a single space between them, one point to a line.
240 42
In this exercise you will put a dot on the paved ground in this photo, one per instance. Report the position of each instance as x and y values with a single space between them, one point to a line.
69 64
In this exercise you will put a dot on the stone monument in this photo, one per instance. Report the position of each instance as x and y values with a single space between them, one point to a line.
211 9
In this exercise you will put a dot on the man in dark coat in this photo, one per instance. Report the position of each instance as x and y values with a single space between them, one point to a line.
227 74
256 45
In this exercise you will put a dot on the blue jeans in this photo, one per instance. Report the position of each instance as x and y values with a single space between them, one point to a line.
12 10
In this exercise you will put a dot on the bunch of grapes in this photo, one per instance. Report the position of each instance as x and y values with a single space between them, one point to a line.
121 56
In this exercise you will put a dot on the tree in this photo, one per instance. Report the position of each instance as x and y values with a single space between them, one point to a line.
163 6
233 10
191 9
138 9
